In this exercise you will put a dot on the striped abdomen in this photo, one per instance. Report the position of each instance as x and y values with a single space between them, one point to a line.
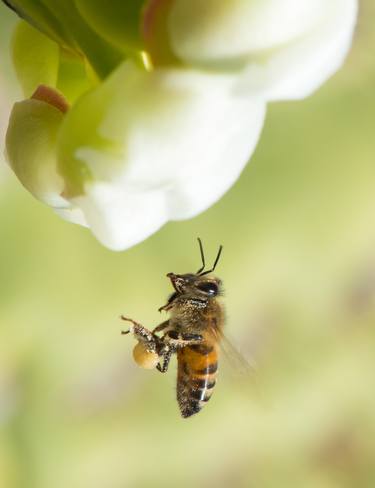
196 376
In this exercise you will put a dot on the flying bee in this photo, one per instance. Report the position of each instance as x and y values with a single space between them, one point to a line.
193 332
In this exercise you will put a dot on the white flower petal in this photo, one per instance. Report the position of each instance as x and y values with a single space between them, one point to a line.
30 147
216 154
164 145
204 31
72 214
287 48
298 69
120 218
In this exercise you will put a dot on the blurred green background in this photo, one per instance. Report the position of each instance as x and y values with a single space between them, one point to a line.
298 231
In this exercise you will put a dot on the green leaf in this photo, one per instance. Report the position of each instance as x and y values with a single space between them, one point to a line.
35 58
61 21
73 79
43 19
119 23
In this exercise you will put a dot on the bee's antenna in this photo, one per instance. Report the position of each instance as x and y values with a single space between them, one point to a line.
202 257
215 263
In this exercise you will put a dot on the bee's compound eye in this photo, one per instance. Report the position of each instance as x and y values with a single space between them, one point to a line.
208 287
144 358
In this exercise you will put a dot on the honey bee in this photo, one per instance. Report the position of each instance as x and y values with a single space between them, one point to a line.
193 332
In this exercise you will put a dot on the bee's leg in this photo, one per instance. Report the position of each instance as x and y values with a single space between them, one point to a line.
127 319
161 327
191 337
168 305
181 339
166 358
143 335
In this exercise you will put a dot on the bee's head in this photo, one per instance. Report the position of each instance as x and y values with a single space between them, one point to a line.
200 283
205 286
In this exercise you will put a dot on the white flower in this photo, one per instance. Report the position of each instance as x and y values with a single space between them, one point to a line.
175 141
144 147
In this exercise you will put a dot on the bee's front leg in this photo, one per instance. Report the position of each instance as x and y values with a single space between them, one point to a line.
143 335
169 303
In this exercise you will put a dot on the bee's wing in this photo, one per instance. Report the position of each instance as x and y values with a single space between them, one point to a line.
241 365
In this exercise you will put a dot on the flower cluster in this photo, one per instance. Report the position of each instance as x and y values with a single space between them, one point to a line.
140 112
